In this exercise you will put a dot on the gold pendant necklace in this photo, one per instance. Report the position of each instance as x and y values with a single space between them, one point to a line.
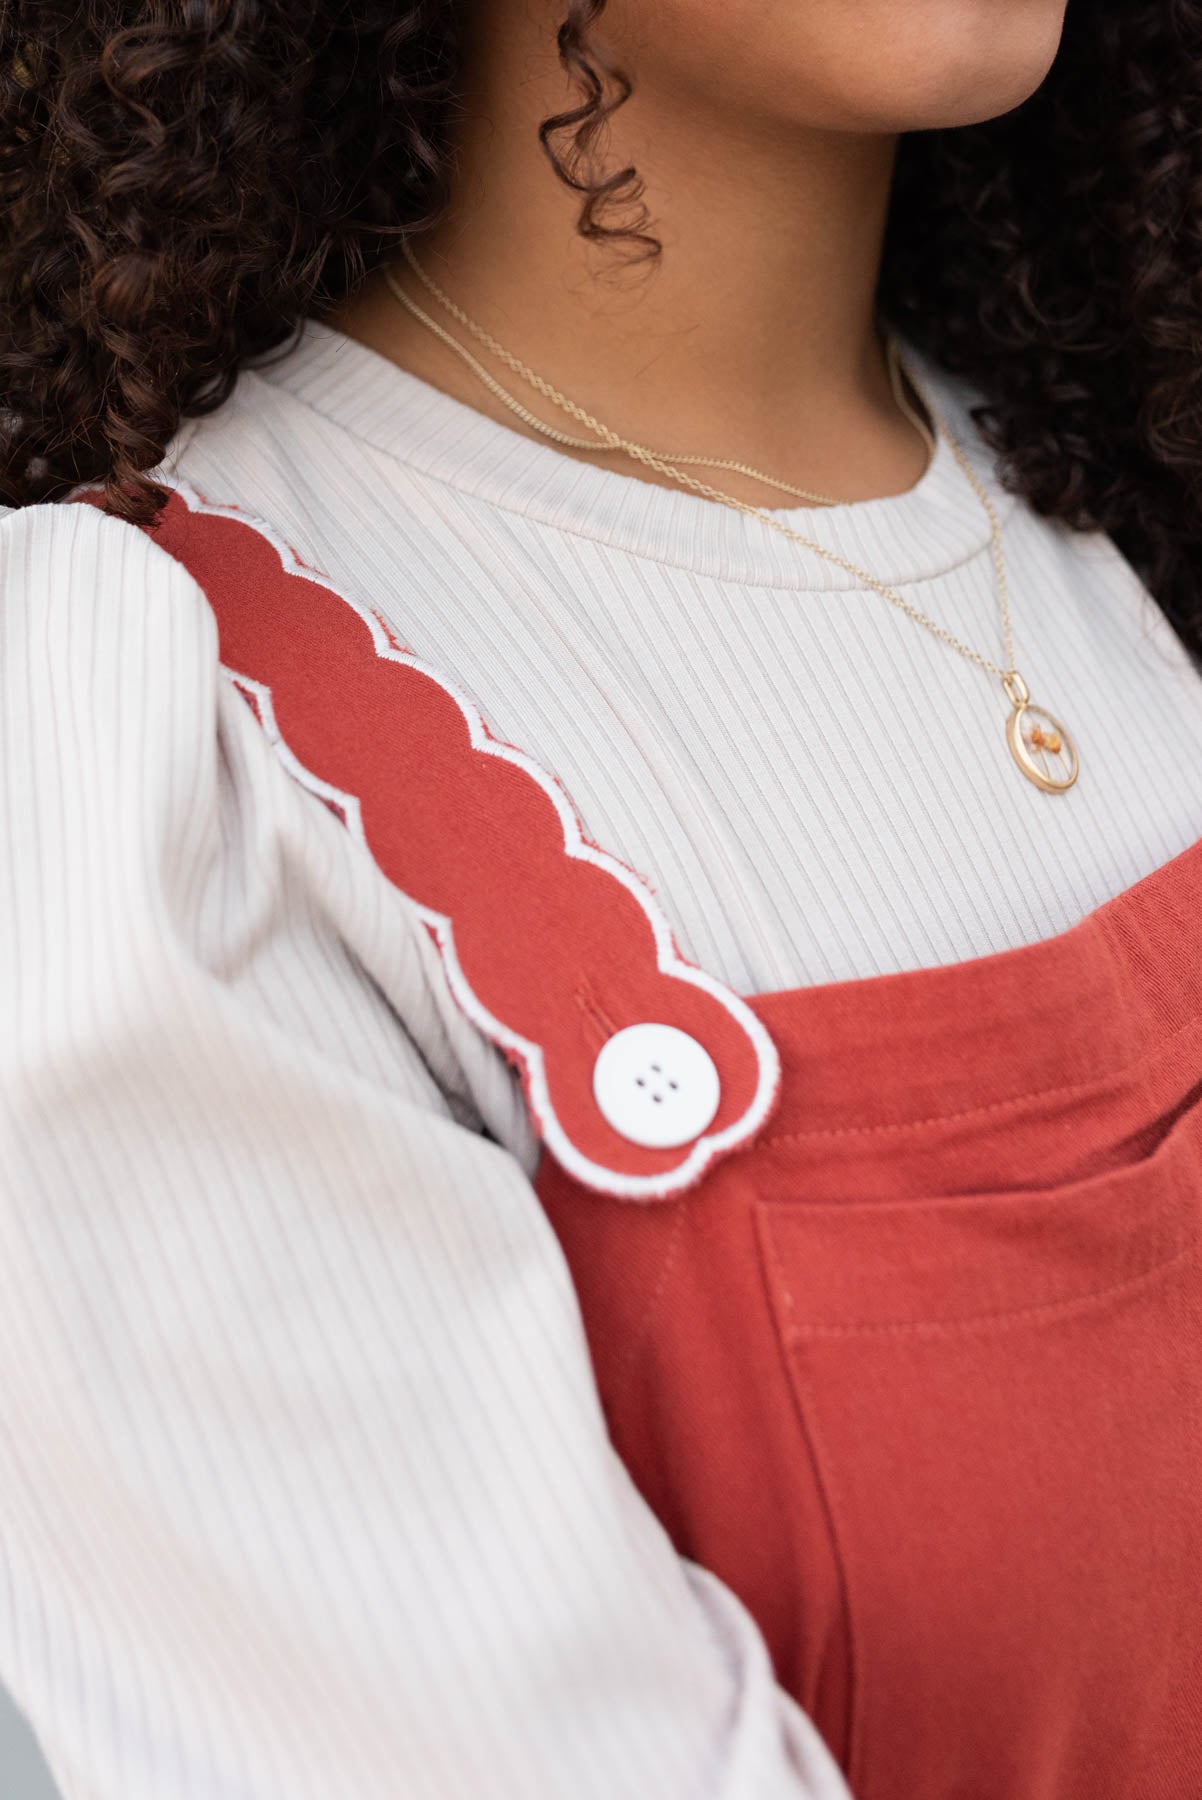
1038 743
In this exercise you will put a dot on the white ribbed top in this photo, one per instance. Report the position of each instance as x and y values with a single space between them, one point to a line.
816 787
304 1486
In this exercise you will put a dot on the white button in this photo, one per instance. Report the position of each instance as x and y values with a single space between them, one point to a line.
656 1086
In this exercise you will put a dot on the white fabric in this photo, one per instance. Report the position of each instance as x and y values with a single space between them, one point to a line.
816 788
304 1488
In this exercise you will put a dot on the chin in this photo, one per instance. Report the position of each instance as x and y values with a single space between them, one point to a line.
849 65
963 61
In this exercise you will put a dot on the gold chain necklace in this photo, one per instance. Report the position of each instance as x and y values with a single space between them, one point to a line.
1039 744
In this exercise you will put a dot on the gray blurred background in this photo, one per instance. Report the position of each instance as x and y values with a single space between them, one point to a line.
23 1774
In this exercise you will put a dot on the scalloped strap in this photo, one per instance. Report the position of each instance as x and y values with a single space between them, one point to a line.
638 1069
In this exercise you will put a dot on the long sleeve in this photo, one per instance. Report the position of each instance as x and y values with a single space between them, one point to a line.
304 1485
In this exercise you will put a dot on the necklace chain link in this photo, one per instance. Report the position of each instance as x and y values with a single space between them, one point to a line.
1038 743
671 464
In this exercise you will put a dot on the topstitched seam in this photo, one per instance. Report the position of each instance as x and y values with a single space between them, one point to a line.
777 1289
989 1106
638 1337
983 1321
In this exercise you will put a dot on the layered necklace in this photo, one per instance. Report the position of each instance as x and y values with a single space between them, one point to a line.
1038 743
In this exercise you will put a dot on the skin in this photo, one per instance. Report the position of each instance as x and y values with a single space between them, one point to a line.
766 132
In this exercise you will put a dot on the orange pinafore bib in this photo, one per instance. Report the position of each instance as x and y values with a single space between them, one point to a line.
892 1287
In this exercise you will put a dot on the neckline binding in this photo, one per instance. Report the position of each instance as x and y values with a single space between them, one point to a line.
914 536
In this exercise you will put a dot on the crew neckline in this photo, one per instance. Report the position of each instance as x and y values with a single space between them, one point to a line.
928 530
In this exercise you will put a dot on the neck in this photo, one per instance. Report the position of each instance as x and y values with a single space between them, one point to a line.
753 335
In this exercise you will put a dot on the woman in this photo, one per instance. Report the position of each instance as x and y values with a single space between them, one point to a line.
503 643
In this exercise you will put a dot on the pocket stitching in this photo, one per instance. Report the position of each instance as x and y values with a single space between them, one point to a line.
975 1321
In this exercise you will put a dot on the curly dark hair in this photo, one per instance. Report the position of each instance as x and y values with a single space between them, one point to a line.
183 181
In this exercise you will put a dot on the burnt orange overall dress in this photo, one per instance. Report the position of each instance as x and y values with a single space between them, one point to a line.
898 1328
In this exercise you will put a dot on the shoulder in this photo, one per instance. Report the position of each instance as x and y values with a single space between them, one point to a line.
71 575
77 549
109 706
109 667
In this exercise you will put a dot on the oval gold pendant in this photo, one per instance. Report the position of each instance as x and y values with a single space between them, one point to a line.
1039 743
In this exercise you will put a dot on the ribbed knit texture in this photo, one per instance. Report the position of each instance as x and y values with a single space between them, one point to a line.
305 1492
304 1486
817 788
